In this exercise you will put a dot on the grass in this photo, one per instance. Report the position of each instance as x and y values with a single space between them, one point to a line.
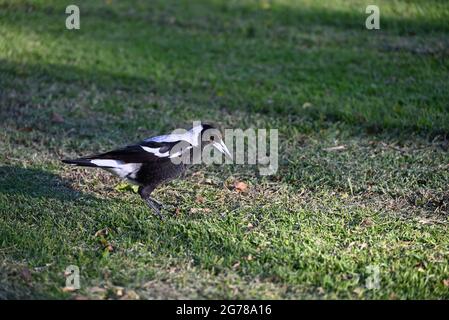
308 68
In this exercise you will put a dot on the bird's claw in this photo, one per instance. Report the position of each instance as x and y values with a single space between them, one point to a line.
156 206
159 204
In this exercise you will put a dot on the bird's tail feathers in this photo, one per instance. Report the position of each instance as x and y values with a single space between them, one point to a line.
90 162
80 162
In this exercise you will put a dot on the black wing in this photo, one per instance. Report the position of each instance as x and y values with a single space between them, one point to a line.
139 153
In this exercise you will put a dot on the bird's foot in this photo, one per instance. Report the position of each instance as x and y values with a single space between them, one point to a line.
159 204
156 206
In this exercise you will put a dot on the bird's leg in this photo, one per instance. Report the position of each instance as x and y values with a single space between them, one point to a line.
153 204
159 204
155 207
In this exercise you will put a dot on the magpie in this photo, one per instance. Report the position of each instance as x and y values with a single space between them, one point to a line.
156 160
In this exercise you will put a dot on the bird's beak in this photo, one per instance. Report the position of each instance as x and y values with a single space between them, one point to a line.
220 146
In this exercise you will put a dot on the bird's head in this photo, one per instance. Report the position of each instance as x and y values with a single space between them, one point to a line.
210 135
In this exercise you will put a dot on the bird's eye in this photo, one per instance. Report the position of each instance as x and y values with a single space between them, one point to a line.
212 138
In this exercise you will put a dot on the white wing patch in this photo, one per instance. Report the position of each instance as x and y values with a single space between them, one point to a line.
127 171
119 168
155 151
106 163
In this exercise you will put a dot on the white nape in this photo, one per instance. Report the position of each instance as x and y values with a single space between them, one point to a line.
191 136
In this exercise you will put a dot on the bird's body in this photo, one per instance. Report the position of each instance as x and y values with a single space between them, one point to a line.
154 160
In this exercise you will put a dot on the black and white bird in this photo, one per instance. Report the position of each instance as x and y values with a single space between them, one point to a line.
157 159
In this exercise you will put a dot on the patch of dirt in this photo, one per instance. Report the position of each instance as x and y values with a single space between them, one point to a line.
434 47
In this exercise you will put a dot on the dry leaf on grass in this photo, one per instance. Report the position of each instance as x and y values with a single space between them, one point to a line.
240 186
130 295
336 148
306 105
367 222
102 235
97 290
102 232
57 118
119 291
199 199
25 274
69 289
200 210
358 291
393 296
446 282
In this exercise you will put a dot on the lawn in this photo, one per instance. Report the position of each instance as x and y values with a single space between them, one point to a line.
314 230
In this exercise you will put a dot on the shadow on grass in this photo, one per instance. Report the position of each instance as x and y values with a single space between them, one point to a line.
36 183
154 115
223 16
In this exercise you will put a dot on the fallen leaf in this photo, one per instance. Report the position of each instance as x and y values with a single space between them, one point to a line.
104 242
425 221
420 266
358 291
26 274
367 222
336 148
97 290
306 105
363 245
26 129
42 268
130 295
393 296
351 245
102 232
240 186
200 210
123 187
69 289
119 291
173 270
199 199
57 118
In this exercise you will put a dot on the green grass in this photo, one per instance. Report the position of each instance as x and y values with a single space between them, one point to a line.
308 68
